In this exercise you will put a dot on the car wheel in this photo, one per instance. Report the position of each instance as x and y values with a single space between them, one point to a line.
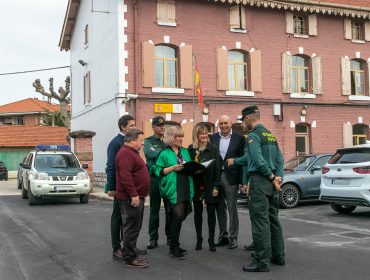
84 198
32 200
342 209
24 192
289 196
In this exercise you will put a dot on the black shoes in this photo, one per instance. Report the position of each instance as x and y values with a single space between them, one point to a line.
177 254
222 241
199 245
273 260
250 247
233 243
152 244
253 267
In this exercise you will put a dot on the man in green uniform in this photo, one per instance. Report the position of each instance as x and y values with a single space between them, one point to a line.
153 145
264 173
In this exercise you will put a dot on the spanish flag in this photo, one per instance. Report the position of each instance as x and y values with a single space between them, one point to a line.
198 89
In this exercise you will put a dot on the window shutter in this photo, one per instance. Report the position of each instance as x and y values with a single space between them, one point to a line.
368 77
147 64
346 76
367 30
312 25
222 70
256 71
347 135
347 29
186 67
286 72
166 11
289 22
244 25
87 88
234 17
316 75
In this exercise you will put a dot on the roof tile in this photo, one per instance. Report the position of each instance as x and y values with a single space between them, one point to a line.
28 105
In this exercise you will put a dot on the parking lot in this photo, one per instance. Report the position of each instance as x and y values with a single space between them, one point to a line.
63 239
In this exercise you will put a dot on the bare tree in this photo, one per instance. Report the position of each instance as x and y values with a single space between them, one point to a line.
61 96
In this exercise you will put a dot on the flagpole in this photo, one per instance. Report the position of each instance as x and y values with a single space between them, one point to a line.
193 65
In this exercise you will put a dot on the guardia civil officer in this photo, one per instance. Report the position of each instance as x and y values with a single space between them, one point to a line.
153 145
263 172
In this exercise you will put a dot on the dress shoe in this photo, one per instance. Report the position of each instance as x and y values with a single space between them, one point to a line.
141 251
118 255
152 244
199 245
250 247
177 254
222 241
183 251
253 267
233 243
212 246
138 263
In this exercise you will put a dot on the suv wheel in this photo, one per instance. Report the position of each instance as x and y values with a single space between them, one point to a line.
84 198
24 192
342 209
289 196
32 200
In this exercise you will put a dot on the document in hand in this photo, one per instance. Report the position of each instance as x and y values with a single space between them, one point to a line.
191 167
207 163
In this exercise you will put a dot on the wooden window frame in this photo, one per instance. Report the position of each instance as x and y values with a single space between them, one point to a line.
165 67
302 28
363 74
306 136
299 79
358 30
236 65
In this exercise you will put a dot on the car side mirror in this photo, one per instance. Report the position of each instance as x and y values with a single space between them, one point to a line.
315 168
25 166
85 166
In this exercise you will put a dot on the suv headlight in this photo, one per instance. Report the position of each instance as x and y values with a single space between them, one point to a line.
41 176
82 176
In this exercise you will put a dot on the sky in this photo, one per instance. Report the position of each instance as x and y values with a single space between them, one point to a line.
29 38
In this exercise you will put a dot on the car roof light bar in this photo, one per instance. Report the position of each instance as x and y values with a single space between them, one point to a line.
53 147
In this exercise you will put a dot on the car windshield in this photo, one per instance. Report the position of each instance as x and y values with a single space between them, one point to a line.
299 163
56 161
350 156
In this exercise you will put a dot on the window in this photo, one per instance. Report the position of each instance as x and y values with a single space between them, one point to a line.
358 30
166 12
300 74
237 18
86 31
87 88
359 134
165 66
237 70
302 139
300 24
20 120
357 77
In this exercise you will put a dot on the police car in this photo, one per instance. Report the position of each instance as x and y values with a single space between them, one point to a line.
53 171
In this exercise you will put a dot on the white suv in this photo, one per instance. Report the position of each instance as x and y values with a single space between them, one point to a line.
345 179
54 170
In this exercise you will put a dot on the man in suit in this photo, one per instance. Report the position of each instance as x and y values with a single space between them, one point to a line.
230 144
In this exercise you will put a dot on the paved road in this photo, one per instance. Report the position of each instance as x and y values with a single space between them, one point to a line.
67 240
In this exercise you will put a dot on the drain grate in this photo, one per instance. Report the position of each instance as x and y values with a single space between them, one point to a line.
354 234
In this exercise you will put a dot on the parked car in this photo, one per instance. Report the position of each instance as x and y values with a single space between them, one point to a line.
20 174
345 179
3 171
302 175
54 171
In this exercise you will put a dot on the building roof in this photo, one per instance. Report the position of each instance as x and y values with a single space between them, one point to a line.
345 8
30 136
29 105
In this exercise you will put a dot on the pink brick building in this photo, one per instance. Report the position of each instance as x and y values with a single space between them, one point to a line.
304 63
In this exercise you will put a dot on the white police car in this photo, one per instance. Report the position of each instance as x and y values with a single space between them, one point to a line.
54 171
345 179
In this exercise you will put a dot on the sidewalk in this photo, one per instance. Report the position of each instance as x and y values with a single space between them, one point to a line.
99 194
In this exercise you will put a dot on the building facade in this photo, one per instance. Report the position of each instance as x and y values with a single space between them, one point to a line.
304 63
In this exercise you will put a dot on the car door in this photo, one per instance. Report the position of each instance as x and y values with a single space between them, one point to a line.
26 172
314 176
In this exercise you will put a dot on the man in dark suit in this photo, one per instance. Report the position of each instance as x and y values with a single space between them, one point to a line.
230 144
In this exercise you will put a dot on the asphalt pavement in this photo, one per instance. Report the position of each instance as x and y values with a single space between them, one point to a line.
63 239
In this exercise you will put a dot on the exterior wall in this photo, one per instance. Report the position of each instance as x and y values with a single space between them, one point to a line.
31 120
12 157
104 56
205 26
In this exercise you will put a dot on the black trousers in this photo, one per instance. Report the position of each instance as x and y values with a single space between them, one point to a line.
132 219
178 213
116 226
211 219
155 205
198 217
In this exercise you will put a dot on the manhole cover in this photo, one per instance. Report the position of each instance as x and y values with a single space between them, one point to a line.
354 234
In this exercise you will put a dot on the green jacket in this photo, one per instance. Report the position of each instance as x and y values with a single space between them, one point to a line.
152 147
168 183
262 154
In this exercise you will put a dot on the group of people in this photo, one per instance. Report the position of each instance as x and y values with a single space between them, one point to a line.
137 167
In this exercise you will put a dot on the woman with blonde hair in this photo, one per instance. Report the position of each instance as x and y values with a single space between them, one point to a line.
206 184
176 188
